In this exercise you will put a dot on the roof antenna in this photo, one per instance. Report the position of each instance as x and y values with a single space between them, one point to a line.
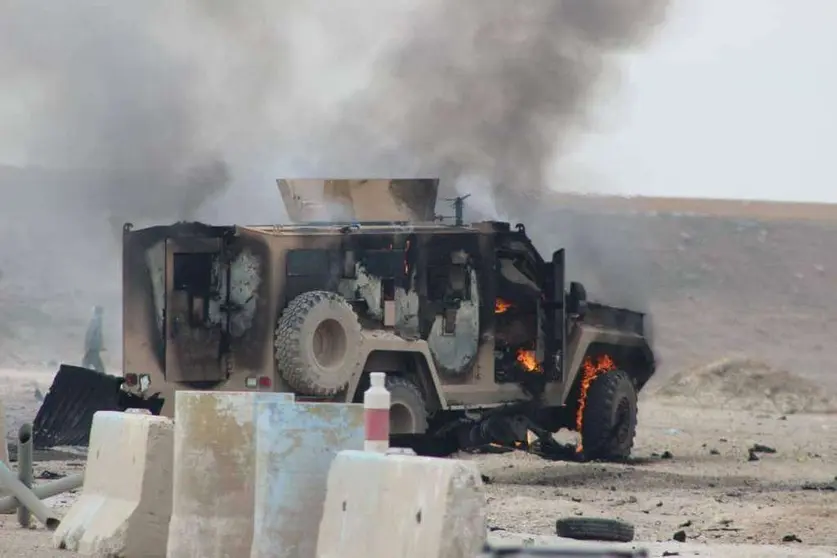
458 208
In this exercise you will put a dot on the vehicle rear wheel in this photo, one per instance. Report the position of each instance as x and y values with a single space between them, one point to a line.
609 421
317 343
407 409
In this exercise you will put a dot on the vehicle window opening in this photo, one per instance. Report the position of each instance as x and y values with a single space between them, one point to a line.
459 282
307 263
388 289
193 273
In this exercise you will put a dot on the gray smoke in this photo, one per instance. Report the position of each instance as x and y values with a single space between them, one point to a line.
119 112
491 88
164 96
486 94
189 109
147 99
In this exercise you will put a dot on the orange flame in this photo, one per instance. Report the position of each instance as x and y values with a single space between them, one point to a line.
529 361
590 370
501 306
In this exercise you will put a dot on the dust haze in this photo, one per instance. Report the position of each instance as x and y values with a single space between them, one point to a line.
159 111
145 99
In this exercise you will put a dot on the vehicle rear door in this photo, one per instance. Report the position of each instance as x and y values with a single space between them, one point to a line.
195 318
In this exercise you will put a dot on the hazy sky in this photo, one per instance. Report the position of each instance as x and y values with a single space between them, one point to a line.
734 99
737 98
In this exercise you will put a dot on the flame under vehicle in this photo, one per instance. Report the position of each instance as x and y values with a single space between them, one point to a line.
480 336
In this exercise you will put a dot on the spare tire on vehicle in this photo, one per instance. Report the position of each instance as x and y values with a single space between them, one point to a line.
317 343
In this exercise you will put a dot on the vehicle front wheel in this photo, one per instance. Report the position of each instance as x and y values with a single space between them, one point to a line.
609 421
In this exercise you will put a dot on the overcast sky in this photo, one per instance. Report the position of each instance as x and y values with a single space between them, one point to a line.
737 99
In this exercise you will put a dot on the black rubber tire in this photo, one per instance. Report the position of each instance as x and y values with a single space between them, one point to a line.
609 422
594 529
407 395
296 343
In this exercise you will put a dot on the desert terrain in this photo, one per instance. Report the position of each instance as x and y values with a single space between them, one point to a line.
691 472
744 313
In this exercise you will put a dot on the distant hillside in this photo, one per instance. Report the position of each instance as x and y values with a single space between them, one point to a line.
743 209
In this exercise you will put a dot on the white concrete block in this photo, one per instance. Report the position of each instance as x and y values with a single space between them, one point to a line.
382 506
213 493
295 446
125 503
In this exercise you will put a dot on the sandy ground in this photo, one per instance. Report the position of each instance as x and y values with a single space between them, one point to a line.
691 472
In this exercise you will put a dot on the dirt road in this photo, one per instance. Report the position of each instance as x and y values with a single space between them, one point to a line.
708 487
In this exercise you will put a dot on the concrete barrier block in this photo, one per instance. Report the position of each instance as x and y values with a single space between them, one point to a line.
295 446
379 506
125 502
213 492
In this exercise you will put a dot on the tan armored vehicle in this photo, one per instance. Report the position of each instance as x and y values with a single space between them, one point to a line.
480 337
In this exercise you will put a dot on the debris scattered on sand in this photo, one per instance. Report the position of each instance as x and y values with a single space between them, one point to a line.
761 448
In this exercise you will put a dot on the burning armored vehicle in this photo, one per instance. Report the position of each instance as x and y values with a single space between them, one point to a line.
480 336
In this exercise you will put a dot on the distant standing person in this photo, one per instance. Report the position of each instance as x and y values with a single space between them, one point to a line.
94 342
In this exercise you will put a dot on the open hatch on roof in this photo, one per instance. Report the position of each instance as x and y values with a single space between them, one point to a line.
372 199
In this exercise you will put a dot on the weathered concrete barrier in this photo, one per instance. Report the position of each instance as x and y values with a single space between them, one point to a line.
125 501
213 493
400 505
295 446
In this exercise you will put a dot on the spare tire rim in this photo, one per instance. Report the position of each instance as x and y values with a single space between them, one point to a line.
329 344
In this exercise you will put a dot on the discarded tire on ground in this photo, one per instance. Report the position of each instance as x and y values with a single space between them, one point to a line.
609 424
594 529
317 343
407 410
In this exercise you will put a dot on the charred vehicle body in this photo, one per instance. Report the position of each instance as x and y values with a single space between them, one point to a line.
480 336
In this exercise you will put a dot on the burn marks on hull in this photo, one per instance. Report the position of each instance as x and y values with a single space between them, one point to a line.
155 259
367 288
176 284
245 282
455 335
419 285
407 307
242 283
